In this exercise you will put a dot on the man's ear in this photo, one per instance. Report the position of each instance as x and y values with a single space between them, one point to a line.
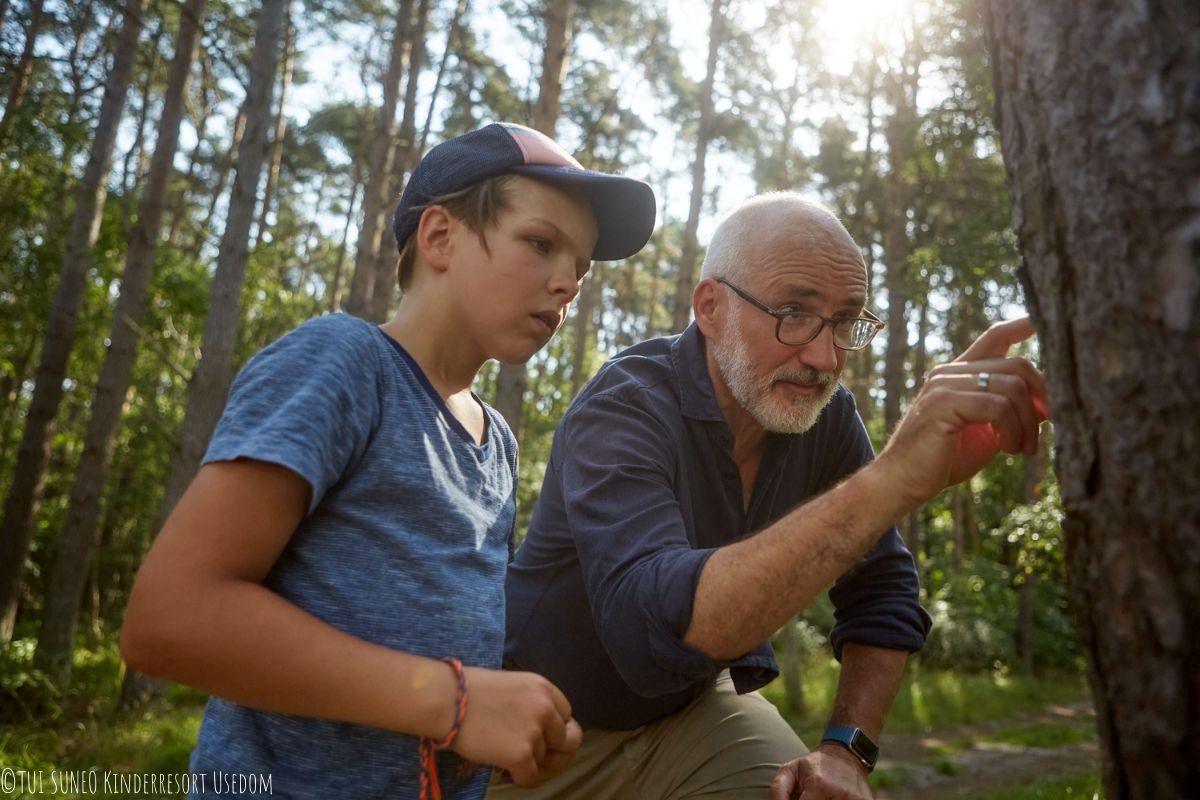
435 236
706 305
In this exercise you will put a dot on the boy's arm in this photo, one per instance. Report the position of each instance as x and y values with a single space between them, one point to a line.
198 614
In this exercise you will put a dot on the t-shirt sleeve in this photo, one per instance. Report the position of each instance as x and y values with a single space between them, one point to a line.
308 402
877 601
639 568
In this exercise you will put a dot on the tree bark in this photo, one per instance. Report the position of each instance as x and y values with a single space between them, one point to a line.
210 384
279 132
687 259
402 162
20 80
511 380
69 572
901 140
1098 107
20 505
375 195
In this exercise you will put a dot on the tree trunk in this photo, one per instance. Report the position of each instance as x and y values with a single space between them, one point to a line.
451 38
227 165
210 385
335 290
402 161
585 310
375 195
112 389
19 507
1098 107
901 140
20 79
279 133
691 248
511 381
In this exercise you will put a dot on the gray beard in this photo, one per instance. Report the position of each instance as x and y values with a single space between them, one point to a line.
753 392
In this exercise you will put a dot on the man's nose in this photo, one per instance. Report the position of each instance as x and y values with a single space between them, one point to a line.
820 353
563 281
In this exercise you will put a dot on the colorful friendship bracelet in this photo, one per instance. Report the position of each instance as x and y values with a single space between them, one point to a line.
430 787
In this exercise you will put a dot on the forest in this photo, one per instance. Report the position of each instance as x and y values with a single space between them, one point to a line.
184 181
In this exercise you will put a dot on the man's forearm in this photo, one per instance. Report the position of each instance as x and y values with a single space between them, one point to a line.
867 686
749 589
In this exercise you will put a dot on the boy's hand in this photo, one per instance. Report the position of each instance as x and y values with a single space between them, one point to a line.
518 722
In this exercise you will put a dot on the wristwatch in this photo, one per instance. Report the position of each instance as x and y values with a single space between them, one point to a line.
854 740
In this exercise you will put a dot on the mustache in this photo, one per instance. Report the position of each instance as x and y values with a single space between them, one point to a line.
805 376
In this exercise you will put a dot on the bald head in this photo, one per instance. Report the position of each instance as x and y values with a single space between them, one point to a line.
783 219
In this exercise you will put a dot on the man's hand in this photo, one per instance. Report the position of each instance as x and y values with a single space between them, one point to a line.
828 773
968 410
520 723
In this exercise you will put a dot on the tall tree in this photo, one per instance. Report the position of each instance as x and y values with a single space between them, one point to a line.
75 543
1099 114
20 78
704 135
403 160
20 505
512 380
210 384
901 136
376 195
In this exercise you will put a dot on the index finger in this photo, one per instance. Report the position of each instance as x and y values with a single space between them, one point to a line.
996 340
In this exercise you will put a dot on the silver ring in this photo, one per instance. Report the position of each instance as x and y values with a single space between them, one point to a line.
982 380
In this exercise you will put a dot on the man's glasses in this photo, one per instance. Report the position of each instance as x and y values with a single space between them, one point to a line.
801 327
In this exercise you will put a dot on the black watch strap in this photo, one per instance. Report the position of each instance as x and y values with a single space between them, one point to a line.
854 740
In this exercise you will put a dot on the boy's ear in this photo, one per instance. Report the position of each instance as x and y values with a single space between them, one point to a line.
434 236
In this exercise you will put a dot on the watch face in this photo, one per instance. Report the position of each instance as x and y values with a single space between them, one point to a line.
864 747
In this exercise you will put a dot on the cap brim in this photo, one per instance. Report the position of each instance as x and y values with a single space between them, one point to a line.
624 207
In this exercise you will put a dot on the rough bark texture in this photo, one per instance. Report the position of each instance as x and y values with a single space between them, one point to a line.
1098 105
687 259
511 380
20 505
69 573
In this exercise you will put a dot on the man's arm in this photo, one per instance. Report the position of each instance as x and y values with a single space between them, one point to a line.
749 589
868 684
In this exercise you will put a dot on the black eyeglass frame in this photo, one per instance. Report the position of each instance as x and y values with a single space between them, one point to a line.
875 322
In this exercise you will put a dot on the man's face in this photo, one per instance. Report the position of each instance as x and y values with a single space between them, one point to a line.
786 387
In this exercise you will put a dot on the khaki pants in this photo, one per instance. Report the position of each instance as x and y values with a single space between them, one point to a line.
723 746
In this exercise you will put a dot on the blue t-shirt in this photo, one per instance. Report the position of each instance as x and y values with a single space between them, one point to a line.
640 489
405 545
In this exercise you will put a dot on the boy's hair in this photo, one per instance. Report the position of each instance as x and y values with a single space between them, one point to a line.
478 206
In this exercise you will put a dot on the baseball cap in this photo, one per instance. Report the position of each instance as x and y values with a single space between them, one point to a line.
624 207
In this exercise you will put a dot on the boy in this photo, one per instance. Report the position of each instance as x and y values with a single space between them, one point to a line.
354 515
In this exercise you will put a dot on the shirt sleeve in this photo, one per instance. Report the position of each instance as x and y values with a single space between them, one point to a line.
308 402
639 567
877 601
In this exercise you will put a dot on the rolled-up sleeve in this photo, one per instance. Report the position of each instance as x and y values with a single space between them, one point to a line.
639 567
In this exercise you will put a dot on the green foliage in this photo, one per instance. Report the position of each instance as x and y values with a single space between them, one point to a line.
1086 786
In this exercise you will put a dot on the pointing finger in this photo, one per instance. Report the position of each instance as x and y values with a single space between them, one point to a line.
996 340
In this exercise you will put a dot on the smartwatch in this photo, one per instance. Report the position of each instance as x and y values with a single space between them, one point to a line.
854 740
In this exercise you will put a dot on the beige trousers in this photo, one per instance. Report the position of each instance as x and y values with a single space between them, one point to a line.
723 746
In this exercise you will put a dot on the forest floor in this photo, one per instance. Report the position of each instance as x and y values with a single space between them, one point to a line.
1048 753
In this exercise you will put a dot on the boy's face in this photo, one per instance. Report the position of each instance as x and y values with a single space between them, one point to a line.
516 292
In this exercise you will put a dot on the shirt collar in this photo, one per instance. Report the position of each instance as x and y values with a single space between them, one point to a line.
696 397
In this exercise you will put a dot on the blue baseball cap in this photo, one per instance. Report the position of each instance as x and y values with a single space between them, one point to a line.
624 207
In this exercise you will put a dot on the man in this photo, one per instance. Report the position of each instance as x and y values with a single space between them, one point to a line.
704 488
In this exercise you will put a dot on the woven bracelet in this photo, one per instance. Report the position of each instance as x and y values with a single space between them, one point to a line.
430 787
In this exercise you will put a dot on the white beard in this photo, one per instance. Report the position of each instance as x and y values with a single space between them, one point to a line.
753 392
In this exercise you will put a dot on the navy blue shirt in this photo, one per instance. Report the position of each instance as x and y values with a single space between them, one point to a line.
640 490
